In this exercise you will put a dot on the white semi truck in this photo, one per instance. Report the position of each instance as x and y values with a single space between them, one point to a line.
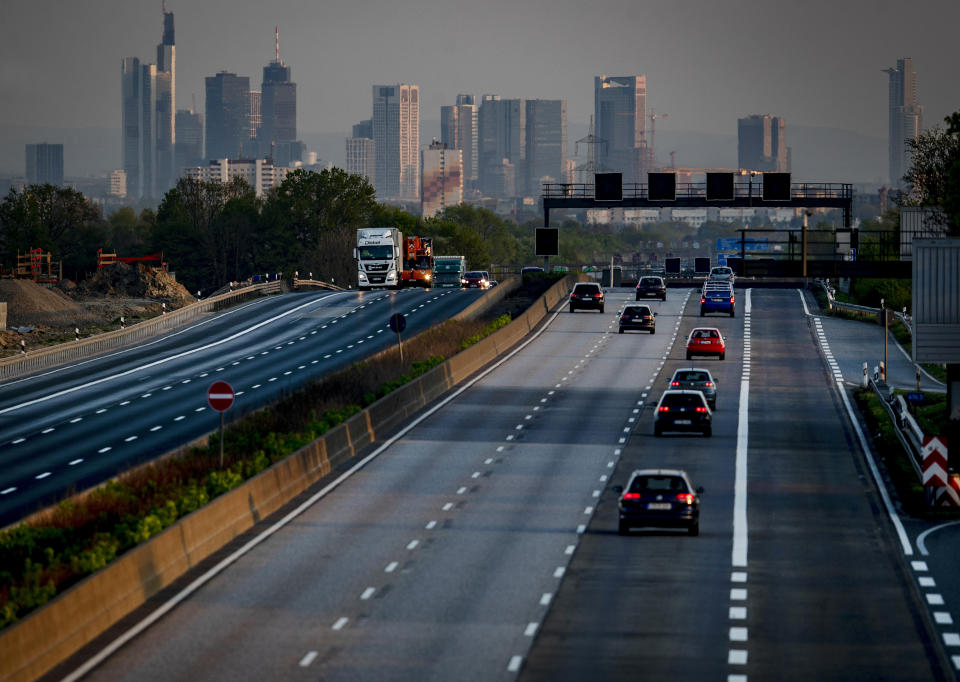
379 255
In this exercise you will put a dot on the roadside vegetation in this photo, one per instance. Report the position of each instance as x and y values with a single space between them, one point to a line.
82 534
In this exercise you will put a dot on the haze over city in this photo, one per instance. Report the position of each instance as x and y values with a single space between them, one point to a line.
817 64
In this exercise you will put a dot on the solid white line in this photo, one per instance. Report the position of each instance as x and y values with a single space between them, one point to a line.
740 537
155 363
308 659
167 606
922 541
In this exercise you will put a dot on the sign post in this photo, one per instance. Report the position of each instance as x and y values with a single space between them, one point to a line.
220 396
398 323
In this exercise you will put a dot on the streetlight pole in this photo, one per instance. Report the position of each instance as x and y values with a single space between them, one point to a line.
883 368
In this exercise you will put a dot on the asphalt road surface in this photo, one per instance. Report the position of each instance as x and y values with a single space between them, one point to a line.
74 426
481 544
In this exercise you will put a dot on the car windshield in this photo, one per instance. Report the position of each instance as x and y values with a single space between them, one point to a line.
474 275
659 483
691 376
692 399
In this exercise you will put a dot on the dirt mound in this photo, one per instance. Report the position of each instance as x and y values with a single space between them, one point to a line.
28 303
133 281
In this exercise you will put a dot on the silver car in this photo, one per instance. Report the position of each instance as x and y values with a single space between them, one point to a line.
696 379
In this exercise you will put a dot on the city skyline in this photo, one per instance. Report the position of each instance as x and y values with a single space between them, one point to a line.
706 65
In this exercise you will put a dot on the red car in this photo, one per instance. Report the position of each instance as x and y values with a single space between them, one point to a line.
706 341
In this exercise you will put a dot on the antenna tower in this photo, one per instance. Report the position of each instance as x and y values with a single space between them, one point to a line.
276 43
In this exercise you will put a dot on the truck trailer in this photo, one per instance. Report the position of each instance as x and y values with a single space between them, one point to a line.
448 271
379 255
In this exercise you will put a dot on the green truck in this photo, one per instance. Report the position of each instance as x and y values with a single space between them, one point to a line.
448 271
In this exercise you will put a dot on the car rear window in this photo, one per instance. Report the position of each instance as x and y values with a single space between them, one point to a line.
636 310
587 288
691 376
650 281
705 334
658 483
683 400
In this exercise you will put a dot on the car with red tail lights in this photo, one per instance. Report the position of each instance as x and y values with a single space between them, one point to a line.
659 498
682 410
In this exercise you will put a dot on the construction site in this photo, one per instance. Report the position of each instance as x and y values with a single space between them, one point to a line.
38 307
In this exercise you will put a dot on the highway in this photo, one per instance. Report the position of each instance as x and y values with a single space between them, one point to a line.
481 543
75 426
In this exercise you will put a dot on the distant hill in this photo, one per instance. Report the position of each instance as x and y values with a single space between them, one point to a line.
819 154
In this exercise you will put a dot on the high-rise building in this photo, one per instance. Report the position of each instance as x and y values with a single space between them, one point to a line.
188 150
256 113
148 123
762 143
118 183
396 132
906 117
442 179
361 157
228 115
44 164
546 144
458 130
501 145
279 104
260 174
166 85
620 110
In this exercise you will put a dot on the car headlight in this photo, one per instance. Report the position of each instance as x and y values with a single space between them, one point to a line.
362 276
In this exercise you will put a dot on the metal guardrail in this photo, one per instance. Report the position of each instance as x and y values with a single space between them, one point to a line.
49 356
908 431
862 310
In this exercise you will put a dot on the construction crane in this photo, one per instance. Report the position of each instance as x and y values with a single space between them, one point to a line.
653 129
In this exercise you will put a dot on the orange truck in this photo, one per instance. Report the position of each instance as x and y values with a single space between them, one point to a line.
417 262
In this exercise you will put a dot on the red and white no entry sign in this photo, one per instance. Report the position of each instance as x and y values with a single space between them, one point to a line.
220 396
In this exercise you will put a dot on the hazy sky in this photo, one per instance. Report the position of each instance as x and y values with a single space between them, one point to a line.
707 62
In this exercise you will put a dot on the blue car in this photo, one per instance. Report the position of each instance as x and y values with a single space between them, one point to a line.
717 297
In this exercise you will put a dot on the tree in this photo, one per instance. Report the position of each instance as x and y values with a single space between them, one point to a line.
310 222
56 219
934 175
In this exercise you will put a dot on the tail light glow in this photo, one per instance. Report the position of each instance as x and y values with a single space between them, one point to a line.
663 408
701 409
632 496
708 383
686 498
674 383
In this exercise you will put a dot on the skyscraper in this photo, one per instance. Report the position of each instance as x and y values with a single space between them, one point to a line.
188 150
44 164
762 143
442 179
396 132
906 117
501 146
166 85
148 124
228 115
546 144
278 104
620 110
361 157
458 130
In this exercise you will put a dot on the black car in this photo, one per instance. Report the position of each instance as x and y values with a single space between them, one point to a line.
661 498
638 317
587 295
651 287
683 410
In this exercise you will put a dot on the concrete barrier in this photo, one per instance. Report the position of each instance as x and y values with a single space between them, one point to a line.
54 632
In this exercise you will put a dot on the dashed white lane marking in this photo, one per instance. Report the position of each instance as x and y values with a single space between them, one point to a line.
200 409
581 529
308 659
956 661
413 544
738 634
570 549
500 448
448 506
156 428
341 622
17 441
738 594
943 618
130 439
737 657
256 386
545 599
7 491
180 418
103 450
738 613
48 430
101 410
431 525
367 593
79 419
514 664
531 629
559 571
927 581
934 599
391 567
75 462
476 474
488 460
951 638
461 490
588 510
42 476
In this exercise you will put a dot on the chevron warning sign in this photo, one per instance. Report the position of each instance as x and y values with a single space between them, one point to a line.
934 453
